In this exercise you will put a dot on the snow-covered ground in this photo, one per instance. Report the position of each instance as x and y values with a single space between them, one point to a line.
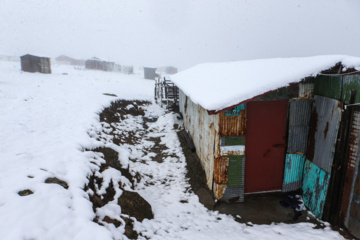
46 123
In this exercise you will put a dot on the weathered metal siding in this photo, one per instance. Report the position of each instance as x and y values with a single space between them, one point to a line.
232 125
235 186
299 119
221 165
353 214
30 63
293 173
328 86
350 82
204 131
306 90
315 185
324 127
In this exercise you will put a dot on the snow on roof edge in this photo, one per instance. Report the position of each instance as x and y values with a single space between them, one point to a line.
243 80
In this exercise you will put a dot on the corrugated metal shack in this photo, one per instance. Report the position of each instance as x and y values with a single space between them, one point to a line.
97 64
304 136
31 63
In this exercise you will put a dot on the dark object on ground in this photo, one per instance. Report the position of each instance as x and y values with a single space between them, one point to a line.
188 140
295 203
57 181
134 205
25 192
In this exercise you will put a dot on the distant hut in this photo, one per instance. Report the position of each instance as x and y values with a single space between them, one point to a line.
30 63
97 64
69 61
167 70
150 73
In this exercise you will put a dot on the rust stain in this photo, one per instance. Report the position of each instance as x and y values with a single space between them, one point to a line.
232 125
236 153
326 130
219 190
313 128
221 165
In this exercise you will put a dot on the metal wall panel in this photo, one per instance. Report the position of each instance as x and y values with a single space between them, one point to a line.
234 193
232 125
293 173
315 185
221 165
328 86
236 171
324 127
235 111
204 131
299 119
351 82
300 112
283 93
353 151
306 90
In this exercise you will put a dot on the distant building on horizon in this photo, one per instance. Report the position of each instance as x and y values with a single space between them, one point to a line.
31 63
62 59
97 64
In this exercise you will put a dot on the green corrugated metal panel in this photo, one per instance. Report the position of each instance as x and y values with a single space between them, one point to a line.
232 140
235 111
350 82
236 170
315 185
293 173
328 86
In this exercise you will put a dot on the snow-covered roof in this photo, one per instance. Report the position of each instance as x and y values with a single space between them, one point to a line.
216 86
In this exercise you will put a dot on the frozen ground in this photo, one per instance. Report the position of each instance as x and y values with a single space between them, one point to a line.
47 122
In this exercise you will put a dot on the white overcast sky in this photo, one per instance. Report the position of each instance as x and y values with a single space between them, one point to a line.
181 33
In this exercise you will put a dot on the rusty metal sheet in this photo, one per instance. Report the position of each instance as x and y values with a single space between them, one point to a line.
328 86
232 150
351 82
325 121
350 206
306 90
219 190
232 145
293 173
315 185
232 125
221 165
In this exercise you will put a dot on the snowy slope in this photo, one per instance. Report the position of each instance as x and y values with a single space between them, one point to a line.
45 125
216 86
44 122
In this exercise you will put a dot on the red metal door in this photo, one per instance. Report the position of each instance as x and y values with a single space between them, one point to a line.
265 145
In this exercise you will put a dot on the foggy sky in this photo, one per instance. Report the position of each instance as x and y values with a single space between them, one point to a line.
181 33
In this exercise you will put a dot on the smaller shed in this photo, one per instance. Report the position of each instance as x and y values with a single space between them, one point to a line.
150 73
30 63
98 64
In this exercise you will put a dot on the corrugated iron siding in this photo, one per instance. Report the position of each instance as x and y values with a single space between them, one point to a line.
351 82
299 119
232 125
324 127
293 173
203 129
315 185
353 214
353 151
328 86
221 170
306 90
